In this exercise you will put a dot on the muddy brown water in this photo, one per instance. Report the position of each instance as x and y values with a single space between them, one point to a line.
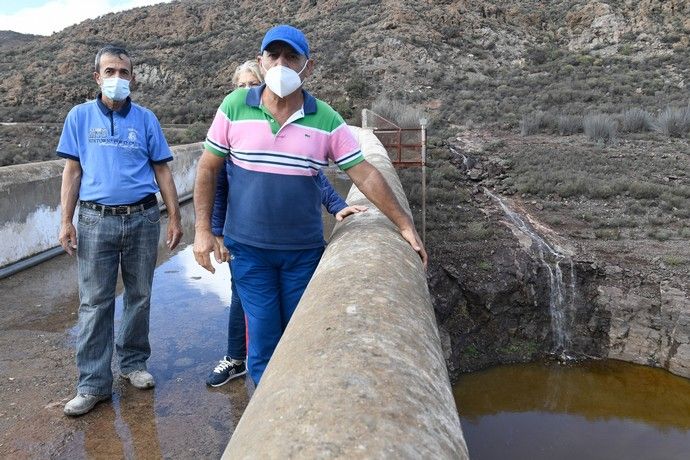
591 410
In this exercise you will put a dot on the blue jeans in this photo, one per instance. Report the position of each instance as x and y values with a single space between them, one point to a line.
104 244
237 339
270 283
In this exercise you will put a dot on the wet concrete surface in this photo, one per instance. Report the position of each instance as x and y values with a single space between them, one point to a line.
179 418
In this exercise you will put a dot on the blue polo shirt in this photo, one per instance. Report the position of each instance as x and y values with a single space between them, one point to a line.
116 150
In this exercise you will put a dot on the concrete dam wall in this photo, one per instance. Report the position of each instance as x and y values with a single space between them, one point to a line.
30 202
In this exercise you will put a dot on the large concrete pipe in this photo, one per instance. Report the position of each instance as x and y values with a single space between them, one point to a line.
359 372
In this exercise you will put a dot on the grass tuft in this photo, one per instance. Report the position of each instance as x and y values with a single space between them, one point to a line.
536 122
636 121
402 114
674 122
600 128
570 124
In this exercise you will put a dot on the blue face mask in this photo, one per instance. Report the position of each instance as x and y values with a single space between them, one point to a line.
115 88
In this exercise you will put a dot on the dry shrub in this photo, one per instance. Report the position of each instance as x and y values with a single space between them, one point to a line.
636 121
600 128
674 122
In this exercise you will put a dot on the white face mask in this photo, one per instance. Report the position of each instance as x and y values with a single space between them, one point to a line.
115 88
282 80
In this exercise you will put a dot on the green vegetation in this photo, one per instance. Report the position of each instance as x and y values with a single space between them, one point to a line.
484 265
525 348
674 261
603 128
196 132
536 122
577 171
27 143
659 234
608 233
471 351
478 231
570 124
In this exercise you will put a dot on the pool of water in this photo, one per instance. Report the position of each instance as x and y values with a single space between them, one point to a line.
589 410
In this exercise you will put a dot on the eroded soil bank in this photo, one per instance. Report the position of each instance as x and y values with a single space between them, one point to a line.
619 215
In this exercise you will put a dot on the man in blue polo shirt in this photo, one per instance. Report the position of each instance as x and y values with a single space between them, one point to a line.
116 162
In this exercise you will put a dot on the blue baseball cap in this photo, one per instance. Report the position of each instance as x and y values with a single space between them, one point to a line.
288 34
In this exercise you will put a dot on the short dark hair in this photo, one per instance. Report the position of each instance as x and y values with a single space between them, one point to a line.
111 50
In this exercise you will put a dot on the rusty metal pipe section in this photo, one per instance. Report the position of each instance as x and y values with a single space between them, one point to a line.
359 372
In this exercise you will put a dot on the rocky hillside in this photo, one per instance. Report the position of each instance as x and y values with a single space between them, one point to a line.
585 254
10 39
482 60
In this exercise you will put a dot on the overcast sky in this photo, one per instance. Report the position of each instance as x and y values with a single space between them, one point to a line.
43 17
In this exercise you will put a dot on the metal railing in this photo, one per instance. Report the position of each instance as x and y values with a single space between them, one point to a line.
406 148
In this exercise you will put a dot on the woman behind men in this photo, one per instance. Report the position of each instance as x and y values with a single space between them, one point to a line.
233 364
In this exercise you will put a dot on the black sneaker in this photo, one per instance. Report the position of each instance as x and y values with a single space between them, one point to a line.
226 370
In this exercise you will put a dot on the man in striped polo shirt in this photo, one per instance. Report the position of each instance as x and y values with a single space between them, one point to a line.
278 136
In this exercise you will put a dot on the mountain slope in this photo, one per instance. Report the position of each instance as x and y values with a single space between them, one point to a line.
10 39
483 60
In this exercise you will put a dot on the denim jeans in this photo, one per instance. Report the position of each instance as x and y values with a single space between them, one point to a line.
104 244
237 338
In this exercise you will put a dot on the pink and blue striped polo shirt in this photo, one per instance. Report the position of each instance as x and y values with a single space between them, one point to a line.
274 197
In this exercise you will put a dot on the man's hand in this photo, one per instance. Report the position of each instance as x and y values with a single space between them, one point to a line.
204 189
166 184
343 213
220 251
411 236
69 193
68 237
373 185
204 244
174 233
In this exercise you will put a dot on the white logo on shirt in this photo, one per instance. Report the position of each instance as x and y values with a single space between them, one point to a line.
132 136
97 133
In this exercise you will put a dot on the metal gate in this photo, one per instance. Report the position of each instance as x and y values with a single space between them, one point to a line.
406 147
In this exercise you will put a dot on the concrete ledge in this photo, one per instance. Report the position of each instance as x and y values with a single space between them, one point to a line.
359 372
30 202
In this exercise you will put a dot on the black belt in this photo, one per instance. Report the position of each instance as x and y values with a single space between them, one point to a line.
148 202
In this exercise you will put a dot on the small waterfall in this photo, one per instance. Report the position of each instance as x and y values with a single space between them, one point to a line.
465 160
561 296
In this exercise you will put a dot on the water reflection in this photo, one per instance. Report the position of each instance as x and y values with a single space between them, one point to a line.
604 409
188 316
180 417
136 426
99 443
